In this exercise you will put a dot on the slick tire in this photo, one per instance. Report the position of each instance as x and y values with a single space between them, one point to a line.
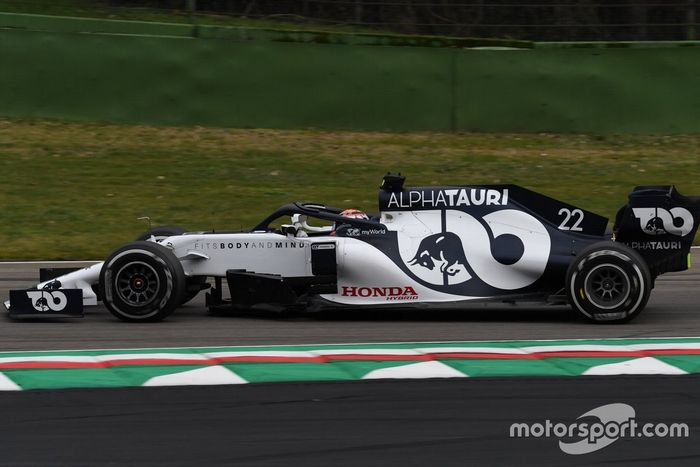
142 282
161 232
608 282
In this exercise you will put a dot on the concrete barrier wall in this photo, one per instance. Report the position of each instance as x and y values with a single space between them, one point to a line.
166 76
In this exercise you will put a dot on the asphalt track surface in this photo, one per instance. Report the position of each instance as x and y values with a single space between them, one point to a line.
385 423
380 423
672 311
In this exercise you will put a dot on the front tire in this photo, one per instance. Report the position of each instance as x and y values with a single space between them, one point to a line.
160 233
142 282
608 282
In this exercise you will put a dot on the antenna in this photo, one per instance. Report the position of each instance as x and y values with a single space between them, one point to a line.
148 221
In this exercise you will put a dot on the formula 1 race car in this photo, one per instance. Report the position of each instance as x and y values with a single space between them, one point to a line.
428 247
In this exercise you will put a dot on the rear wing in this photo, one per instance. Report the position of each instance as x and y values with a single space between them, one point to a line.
660 224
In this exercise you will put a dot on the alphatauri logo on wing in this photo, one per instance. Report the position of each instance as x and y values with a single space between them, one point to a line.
658 221
43 300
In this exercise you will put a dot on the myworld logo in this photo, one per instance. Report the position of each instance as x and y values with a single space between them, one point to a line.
598 428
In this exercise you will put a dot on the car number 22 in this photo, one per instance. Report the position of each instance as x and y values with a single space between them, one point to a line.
572 219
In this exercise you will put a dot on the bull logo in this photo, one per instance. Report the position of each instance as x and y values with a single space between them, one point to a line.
41 305
445 249
655 226
456 251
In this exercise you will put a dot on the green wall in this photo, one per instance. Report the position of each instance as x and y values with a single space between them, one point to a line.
163 75
182 81
655 90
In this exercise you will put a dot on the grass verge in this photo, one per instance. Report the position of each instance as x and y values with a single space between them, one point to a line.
75 190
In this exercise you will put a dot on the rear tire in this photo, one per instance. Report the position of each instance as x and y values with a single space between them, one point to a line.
142 282
608 282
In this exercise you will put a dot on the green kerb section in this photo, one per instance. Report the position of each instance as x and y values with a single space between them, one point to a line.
543 367
91 377
337 371
687 363
166 74
346 362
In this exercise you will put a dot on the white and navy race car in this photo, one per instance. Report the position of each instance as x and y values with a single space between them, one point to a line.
446 246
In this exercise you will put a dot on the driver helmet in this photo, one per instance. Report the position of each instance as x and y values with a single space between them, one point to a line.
354 214
351 214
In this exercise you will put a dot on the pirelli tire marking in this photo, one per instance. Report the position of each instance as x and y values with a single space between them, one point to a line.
587 305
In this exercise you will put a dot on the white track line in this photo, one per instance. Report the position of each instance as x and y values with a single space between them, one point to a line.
219 349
